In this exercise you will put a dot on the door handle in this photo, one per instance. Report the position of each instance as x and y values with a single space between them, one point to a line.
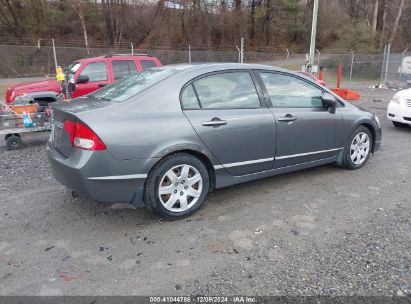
215 122
102 85
287 117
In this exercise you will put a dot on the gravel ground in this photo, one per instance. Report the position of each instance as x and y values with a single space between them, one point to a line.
322 231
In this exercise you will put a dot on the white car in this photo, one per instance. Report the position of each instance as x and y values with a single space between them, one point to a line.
405 70
399 108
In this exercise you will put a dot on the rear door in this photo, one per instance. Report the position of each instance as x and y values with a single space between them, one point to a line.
147 64
235 125
306 130
123 68
98 77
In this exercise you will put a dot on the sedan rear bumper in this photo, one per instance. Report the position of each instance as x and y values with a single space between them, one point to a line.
98 176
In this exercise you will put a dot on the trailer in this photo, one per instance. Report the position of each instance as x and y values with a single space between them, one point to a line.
14 122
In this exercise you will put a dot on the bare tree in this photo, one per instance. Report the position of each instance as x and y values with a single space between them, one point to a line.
10 16
214 23
79 7
374 17
113 12
381 20
396 20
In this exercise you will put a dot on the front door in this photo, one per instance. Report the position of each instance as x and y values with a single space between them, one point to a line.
226 112
98 77
306 130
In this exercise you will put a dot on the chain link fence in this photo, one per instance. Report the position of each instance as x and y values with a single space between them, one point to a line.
37 60
31 61
397 70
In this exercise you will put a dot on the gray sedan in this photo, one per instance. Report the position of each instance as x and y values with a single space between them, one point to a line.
166 137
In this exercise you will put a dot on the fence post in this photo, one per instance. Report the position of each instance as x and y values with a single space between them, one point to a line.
387 61
318 60
239 53
402 58
352 64
288 54
383 64
132 49
55 55
242 50
189 53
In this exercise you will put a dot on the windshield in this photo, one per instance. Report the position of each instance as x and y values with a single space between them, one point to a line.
73 67
132 85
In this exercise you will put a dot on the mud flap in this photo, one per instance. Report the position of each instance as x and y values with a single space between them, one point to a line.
137 200
340 157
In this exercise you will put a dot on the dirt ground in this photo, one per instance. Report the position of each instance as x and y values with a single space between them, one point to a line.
322 231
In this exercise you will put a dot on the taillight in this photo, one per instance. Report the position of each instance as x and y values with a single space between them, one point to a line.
81 136
10 94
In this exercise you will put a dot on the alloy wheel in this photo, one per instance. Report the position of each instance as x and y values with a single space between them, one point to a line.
360 148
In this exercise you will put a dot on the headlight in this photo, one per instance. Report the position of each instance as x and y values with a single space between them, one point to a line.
397 99
377 120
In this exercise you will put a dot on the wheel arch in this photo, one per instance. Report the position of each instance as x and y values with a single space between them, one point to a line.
202 155
47 96
373 132
11 134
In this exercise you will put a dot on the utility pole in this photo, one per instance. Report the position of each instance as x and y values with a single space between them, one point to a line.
54 54
242 50
313 35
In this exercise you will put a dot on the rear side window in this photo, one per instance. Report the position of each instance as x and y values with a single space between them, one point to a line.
146 64
234 90
122 68
96 71
291 92
189 99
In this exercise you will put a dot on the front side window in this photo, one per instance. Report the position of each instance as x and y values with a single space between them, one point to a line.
147 64
122 68
132 85
233 90
290 92
96 71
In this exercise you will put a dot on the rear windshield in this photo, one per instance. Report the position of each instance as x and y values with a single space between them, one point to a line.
132 85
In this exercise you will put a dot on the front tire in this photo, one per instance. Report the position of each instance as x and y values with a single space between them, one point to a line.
177 186
357 151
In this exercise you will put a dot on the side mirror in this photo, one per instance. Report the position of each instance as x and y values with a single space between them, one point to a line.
82 79
330 102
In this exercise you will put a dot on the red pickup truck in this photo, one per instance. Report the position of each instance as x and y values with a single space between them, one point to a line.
89 75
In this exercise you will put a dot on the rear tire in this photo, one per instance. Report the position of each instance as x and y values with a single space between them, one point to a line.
13 142
177 186
357 150
399 124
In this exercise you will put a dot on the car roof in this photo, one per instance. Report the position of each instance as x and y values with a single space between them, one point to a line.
217 66
118 56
